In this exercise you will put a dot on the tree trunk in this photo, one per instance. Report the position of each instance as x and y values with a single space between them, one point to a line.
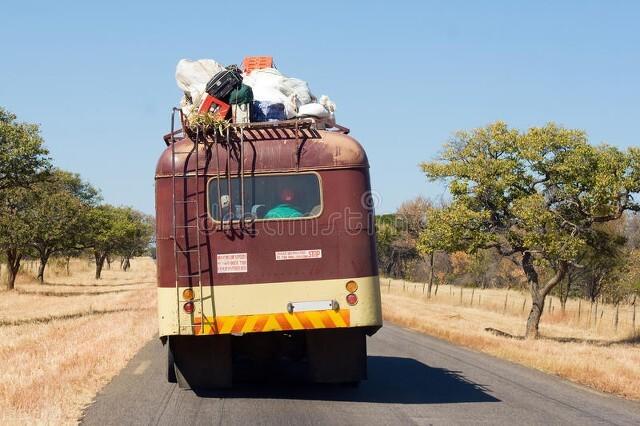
538 294
44 258
67 266
533 322
564 294
430 275
13 266
100 258
126 264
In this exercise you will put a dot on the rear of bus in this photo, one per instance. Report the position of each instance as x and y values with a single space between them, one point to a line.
266 260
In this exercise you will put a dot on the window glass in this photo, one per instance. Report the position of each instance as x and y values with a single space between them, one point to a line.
266 197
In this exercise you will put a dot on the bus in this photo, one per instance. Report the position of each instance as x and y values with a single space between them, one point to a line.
266 261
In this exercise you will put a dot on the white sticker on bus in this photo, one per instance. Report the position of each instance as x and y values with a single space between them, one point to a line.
230 263
299 254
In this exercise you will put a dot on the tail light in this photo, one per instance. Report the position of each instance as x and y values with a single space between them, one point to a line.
352 299
187 294
188 307
352 286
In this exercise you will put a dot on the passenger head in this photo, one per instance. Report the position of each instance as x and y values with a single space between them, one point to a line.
287 195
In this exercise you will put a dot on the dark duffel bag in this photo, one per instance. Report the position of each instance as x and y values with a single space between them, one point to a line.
221 85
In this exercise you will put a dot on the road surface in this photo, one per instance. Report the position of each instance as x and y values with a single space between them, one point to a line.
413 379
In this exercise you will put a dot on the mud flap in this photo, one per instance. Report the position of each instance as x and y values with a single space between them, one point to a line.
202 362
337 355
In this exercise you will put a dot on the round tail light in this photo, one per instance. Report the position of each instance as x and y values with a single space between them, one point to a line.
187 294
352 286
188 307
352 299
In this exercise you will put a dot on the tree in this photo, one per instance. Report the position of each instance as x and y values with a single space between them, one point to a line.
23 161
58 215
138 242
412 217
15 231
534 195
117 230
386 233
23 158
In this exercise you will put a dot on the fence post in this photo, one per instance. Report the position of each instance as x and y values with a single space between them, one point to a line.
633 322
403 284
550 303
579 309
389 285
616 318
473 291
460 296
506 298
524 303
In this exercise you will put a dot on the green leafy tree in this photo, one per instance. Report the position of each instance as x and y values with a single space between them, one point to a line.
138 242
23 161
15 229
23 158
534 195
117 230
386 233
59 215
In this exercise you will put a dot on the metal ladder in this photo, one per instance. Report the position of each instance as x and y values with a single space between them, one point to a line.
186 250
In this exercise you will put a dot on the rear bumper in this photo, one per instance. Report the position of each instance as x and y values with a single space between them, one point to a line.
254 308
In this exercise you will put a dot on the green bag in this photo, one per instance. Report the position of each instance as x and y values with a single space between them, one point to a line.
241 95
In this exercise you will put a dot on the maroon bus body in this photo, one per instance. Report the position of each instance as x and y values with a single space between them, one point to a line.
343 231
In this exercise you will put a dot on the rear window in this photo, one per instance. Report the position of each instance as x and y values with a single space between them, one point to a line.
266 197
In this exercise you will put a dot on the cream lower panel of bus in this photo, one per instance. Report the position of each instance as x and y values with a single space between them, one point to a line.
263 307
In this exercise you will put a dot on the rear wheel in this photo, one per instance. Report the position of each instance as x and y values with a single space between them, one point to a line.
337 356
201 362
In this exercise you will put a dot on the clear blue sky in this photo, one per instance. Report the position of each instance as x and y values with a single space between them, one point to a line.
99 76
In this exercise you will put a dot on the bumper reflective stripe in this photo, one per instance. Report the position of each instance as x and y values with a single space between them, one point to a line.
281 321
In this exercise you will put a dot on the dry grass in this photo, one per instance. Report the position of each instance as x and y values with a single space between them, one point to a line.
596 355
63 341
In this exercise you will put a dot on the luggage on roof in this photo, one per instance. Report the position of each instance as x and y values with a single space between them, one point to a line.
258 93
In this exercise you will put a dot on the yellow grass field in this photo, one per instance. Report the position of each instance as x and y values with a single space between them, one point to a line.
61 342
584 348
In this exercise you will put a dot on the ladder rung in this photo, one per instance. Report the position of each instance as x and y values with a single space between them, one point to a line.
188 276
187 251
186 226
186 201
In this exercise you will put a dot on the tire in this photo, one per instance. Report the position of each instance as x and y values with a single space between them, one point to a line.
337 355
202 362
171 366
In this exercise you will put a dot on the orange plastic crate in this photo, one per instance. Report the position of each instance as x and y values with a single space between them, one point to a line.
251 63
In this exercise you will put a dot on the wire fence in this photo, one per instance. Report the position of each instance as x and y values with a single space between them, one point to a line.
602 318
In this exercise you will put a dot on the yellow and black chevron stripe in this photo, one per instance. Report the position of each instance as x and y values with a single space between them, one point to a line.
271 322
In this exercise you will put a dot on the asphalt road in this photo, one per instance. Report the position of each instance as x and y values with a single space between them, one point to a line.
413 379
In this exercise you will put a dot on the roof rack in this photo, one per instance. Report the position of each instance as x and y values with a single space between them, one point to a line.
299 128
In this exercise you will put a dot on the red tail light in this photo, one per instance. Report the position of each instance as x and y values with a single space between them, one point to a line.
188 307
352 299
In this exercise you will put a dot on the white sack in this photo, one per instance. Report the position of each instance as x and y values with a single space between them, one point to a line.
313 109
296 90
192 76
